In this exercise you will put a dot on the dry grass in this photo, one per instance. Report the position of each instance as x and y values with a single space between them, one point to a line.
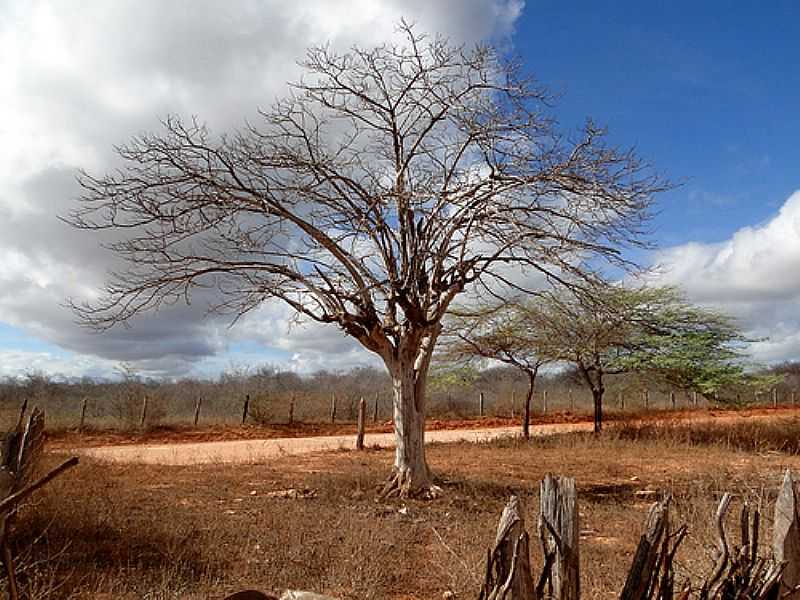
111 531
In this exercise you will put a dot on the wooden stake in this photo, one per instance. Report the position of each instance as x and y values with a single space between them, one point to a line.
558 524
544 402
375 412
785 545
672 399
646 399
513 403
291 409
480 404
245 408
362 409
571 400
694 398
83 413
333 407
774 397
197 406
144 411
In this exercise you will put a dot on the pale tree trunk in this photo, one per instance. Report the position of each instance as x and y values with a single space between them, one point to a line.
410 474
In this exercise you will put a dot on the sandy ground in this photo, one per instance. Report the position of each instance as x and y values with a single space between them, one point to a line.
254 451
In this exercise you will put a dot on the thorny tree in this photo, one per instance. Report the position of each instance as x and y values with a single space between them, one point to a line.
388 182
500 331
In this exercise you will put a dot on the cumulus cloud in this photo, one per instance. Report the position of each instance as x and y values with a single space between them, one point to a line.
76 80
754 276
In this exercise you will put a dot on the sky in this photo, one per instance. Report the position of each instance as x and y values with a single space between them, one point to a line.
706 92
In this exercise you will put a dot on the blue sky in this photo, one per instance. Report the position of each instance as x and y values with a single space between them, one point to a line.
706 91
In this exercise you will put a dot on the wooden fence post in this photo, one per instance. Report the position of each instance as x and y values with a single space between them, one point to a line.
480 404
143 417
774 397
246 408
558 522
571 400
621 400
197 406
375 412
646 399
83 413
513 403
694 398
362 409
291 409
544 402
786 534
333 407
672 399
643 570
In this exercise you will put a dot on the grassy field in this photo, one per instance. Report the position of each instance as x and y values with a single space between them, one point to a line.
199 532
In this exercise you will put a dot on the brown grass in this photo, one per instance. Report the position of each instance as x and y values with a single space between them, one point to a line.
113 531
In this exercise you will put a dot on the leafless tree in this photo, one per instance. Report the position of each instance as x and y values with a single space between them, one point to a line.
388 182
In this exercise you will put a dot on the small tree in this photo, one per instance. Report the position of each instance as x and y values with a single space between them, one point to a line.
500 332
613 329
389 181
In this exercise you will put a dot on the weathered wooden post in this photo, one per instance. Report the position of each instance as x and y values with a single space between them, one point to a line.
672 399
646 399
643 570
621 401
333 407
375 412
508 568
571 400
362 409
83 413
774 397
245 408
544 402
291 409
786 535
480 404
559 530
513 403
143 416
197 406
694 398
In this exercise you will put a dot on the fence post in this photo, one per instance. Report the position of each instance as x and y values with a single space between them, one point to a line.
480 404
333 407
544 402
558 517
571 400
774 397
513 403
83 413
694 398
246 408
784 538
362 408
197 406
291 409
621 400
143 416
375 412
672 399
646 399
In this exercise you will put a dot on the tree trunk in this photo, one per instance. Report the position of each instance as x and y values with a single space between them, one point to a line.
526 420
410 476
597 398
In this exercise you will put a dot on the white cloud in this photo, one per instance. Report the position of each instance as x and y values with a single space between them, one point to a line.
754 276
76 79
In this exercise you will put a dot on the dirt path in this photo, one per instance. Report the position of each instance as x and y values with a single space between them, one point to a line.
254 451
